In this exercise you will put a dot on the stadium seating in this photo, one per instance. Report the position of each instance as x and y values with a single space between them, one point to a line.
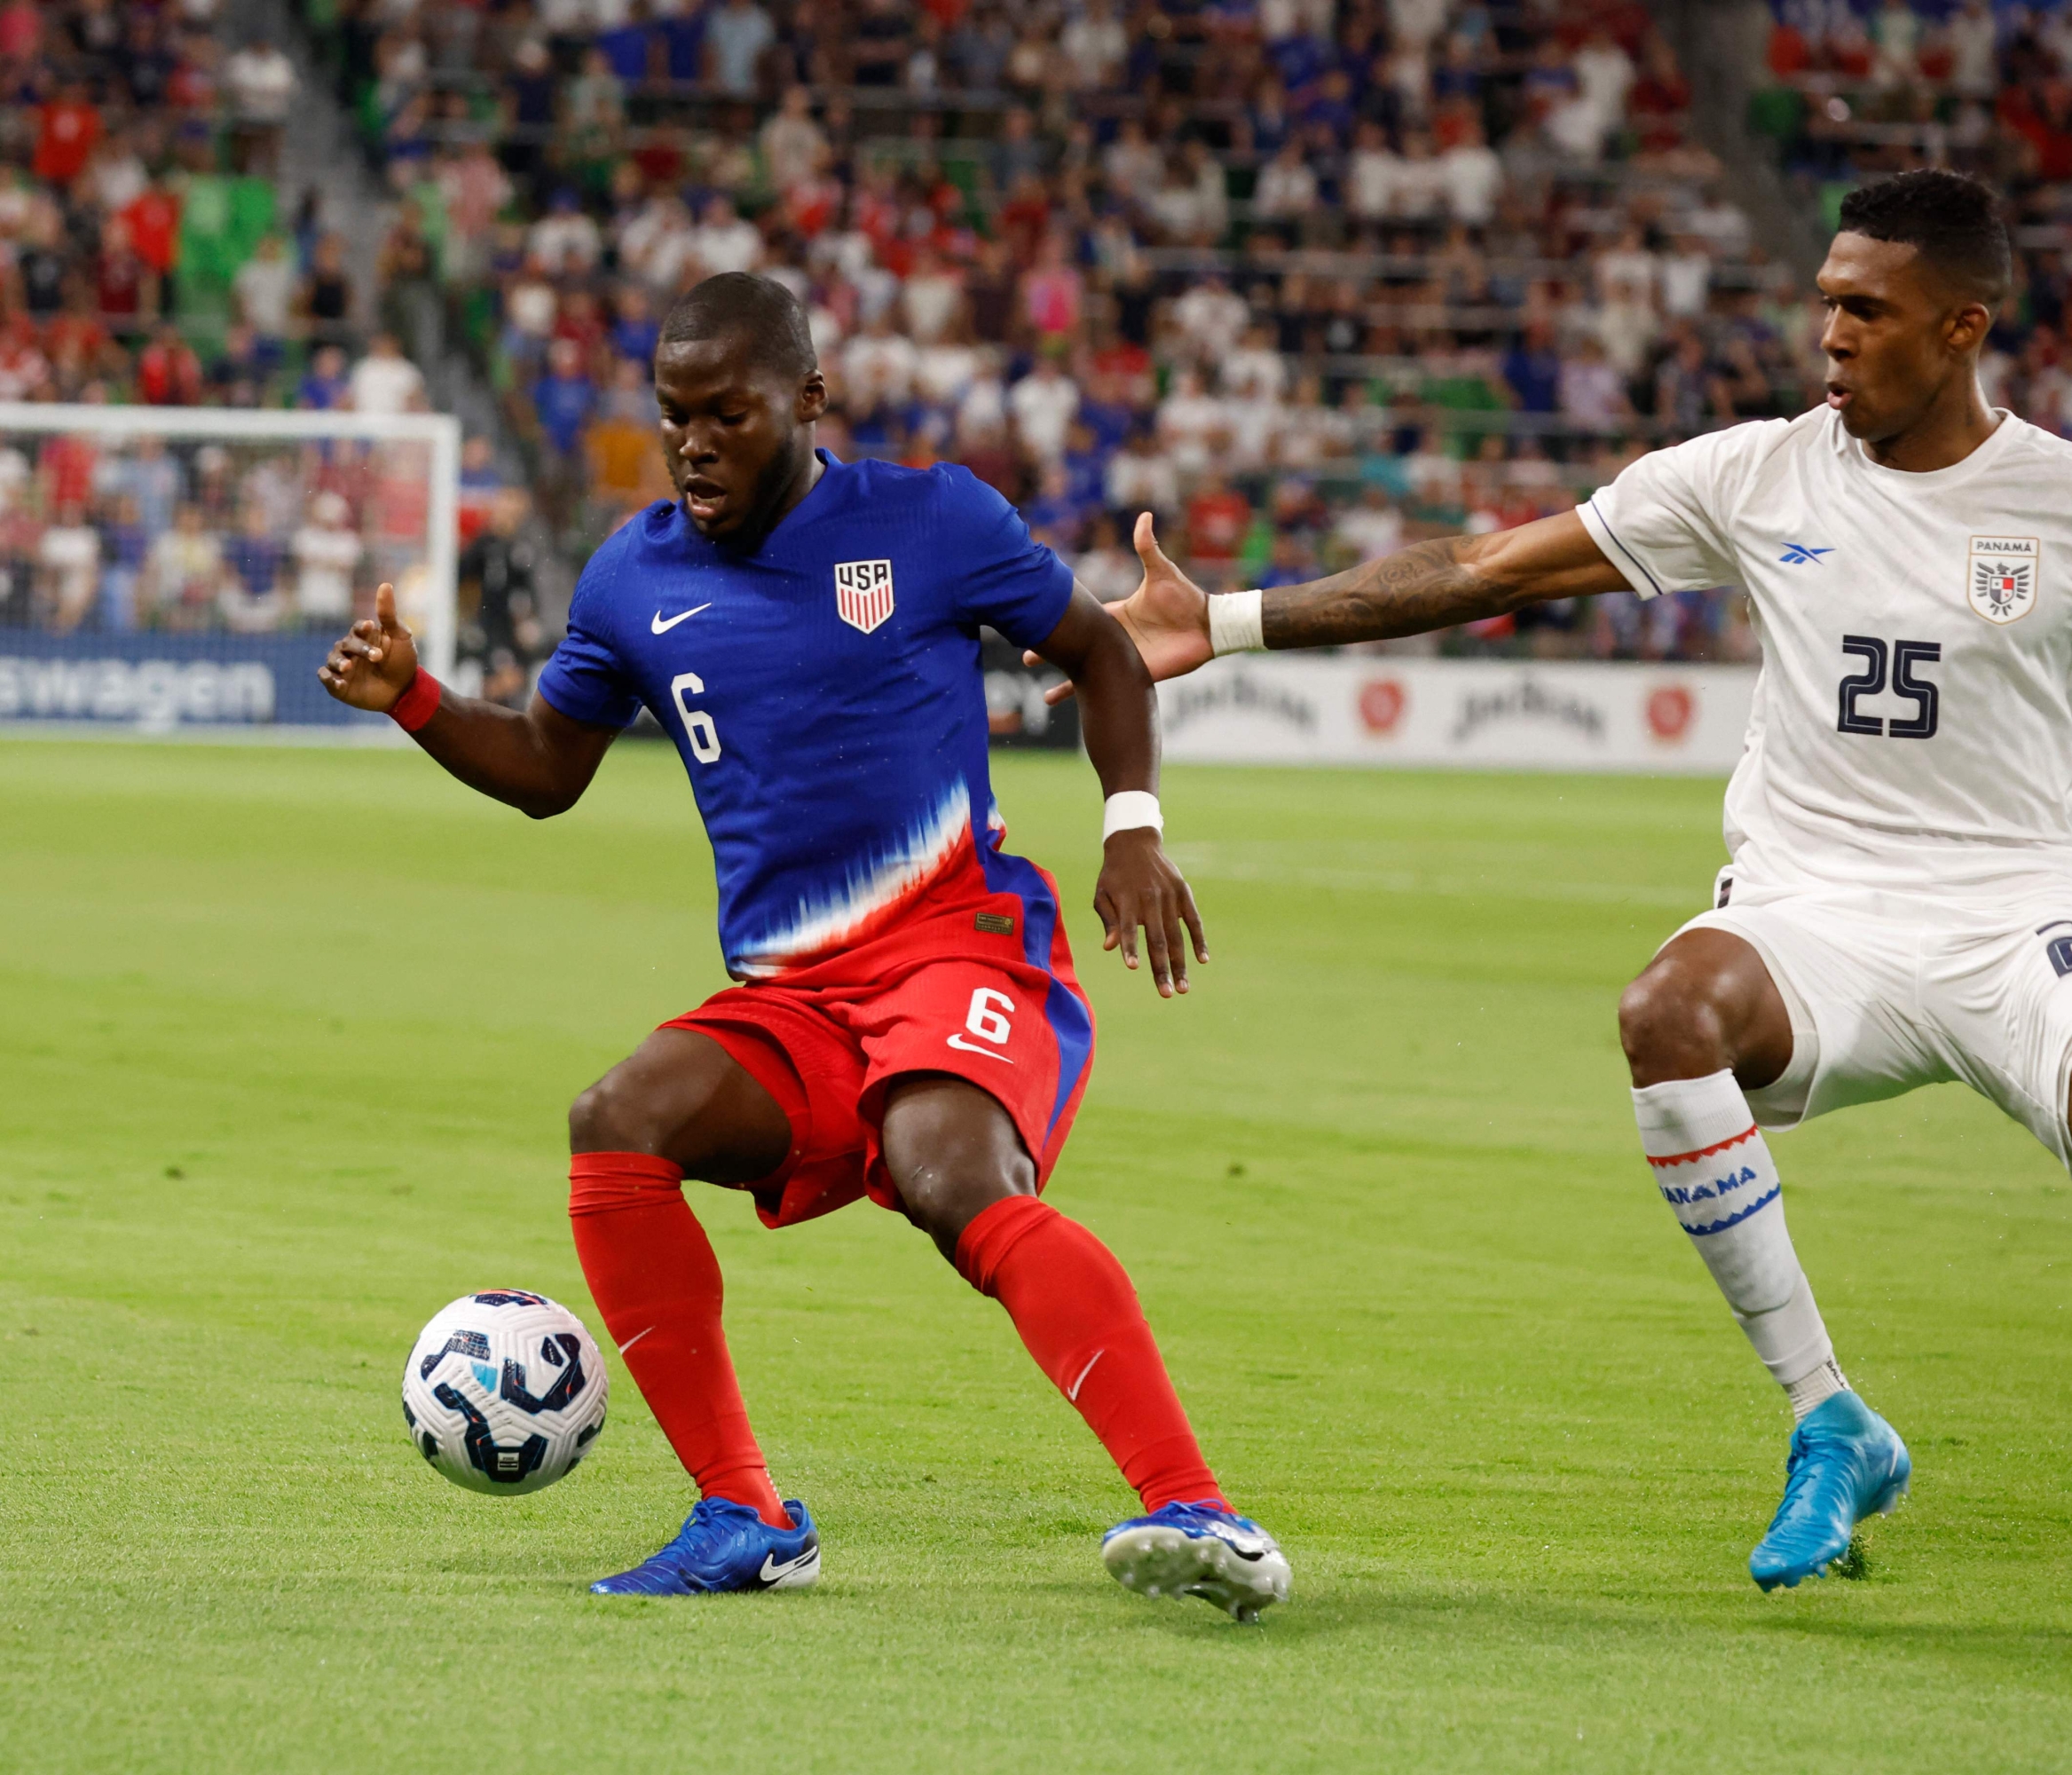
1308 278
1964 83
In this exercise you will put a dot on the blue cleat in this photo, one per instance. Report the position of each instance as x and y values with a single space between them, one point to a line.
725 1546
1846 1462
1199 1549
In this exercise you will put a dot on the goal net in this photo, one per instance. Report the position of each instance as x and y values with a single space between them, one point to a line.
185 570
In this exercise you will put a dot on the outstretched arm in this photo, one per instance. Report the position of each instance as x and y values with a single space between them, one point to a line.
539 761
1437 584
1119 718
1429 585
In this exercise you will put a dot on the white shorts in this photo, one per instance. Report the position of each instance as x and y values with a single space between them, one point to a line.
1887 992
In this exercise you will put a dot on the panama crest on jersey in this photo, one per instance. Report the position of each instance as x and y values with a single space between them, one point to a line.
862 592
2001 576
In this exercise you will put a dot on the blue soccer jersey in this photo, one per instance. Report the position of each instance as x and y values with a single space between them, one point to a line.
824 692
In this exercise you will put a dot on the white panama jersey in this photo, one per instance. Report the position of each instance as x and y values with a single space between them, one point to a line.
1913 727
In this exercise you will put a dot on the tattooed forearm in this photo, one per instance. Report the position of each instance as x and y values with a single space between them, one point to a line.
1429 585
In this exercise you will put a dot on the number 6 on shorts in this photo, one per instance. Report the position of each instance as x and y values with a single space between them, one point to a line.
983 1021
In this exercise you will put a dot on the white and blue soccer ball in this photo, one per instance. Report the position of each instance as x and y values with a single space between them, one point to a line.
504 1391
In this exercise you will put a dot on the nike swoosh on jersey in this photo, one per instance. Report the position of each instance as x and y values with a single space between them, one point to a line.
771 1571
661 627
959 1043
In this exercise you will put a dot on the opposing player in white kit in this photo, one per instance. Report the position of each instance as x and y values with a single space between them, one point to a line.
1898 910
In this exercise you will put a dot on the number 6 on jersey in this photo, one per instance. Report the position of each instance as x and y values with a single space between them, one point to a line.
697 725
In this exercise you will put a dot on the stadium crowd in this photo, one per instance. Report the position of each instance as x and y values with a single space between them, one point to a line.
1306 278
1985 88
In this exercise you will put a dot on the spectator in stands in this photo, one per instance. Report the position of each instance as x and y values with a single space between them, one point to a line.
182 573
564 401
1593 393
327 553
738 34
384 381
262 86
1219 518
253 558
124 543
565 241
125 286
1373 528
69 556
1140 478
1043 404
169 372
794 147
265 288
1048 279
500 595
40 262
324 302
151 476
725 241
68 129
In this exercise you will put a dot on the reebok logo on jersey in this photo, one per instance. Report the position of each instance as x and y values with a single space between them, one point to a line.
1798 553
661 627
862 592
2002 581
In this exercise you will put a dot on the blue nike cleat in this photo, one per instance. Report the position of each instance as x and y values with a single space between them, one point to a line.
725 1546
1846 1462
1199 1549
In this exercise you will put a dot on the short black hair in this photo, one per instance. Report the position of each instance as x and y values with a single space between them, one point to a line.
1951 220
758 310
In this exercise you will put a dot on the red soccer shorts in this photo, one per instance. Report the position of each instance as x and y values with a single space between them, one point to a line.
984 992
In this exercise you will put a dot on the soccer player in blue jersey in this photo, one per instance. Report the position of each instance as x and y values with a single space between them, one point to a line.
907 1025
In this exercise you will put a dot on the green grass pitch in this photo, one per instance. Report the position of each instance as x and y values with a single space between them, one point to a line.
286 1043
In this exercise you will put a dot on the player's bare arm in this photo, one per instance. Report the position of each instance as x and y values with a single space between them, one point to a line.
539 760
1430 584
1435 584
1138 883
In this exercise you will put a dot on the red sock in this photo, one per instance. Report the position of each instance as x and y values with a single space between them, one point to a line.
653 1275
1073 1304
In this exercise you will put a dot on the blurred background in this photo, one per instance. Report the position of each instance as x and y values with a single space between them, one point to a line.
1308 278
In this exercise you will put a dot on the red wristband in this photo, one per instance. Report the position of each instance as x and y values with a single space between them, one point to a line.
418 704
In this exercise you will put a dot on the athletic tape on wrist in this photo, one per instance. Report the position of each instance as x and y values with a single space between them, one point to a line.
1236 622
1132 809
418 704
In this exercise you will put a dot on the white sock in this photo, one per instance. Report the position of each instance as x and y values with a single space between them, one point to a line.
1714 1169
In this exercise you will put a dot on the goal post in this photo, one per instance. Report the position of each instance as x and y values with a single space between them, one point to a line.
183 571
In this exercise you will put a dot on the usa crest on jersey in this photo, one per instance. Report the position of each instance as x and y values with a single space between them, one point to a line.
862 592
2003 575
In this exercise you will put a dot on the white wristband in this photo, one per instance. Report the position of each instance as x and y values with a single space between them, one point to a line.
1236 622
1132 809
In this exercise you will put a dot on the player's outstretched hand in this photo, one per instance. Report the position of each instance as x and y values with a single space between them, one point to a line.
1167 616
374 662
1140 885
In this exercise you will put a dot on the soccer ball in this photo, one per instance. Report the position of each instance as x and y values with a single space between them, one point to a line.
469 1398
